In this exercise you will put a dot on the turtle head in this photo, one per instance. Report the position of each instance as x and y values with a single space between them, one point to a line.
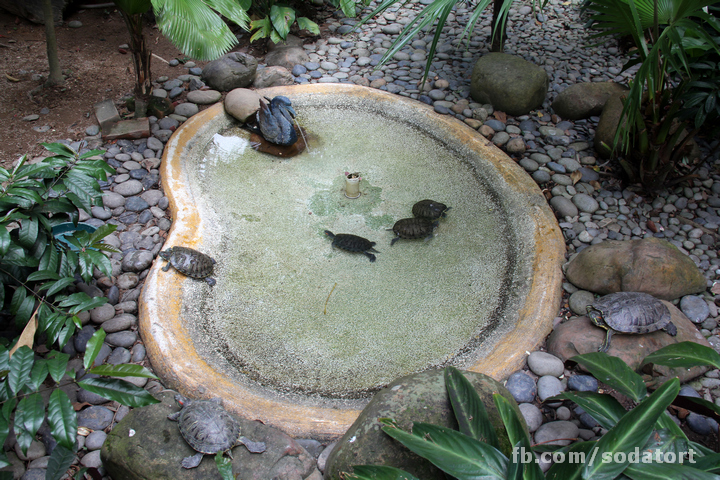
165 254
181 400
596 316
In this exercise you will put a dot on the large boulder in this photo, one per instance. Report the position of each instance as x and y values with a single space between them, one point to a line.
579 336
273 77
650 265
607 126
145 444
421 397
286 54
32 10
509 83
583 100
233 70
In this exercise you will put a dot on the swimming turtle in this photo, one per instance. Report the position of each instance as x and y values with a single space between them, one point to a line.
630 312
208 428
413 228
429 209
189 262
353 243
275 120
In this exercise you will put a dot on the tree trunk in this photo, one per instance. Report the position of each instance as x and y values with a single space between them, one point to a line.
55 77
498 39
141 59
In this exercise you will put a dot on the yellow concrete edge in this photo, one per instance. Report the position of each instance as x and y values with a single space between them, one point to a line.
170 347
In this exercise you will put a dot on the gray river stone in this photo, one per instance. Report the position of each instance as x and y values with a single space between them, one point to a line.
695 308
95 417
541 364
557 433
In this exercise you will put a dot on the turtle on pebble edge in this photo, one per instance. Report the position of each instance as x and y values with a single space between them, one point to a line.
630 312
189 262
208 428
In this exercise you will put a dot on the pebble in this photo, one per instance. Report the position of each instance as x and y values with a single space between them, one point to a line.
560 432
541 364
583 383
95 417
522 387
548 386
532 415
695 308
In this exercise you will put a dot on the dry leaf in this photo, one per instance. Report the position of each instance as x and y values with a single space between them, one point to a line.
715 288
84 431
651 226
575 176
500 116
27 337
77 406
596 185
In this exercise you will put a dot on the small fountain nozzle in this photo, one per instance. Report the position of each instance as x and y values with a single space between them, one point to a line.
352 184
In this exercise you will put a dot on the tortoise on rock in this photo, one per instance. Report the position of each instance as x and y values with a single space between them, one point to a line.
208 428
189 262
413 228
630 312
353 243
429 209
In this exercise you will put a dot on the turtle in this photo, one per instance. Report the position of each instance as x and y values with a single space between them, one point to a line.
429 209
189 262
353 243
208 428
630 312
413 228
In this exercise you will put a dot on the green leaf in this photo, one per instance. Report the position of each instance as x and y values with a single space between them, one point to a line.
663 471
119 391
59 286
43 275
38 374
305 23
224 466
378 472
575 456
122 370
456 454
605 409
4 240
261 27
60 460
60 148
613 372
93 348
62 419
684 355
632 431
469 409
282 17
20 366
518 436
102 232
707 463
29 415
57 365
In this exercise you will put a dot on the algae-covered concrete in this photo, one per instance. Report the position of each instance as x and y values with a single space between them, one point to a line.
286 302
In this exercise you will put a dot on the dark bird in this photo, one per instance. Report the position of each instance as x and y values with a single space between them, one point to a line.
275 120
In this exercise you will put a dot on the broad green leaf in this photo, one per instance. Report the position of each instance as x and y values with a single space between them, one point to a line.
664 471
456 454
378 472
29 415
632 431
62 419
684 355
17 299
4 240
25 311
119 391
93 348
707 463
517 434
282 17
613 372
605 409
20 366
60 148
102 232
66 332
305 23
469 409
38 374
60 460
573 461
59 286
57 364
88 304
224 466
261 27
122 370
43 275
50 260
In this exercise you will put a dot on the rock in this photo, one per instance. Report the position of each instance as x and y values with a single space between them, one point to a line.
204 97
579 335
421 397
186 109
584 100
695 308
532 415
583 383
580 300
650 265
509 83
548 386
156 449
32 10
137 261
233 70
286 56
557 433
242 103
95 440
522 387
273 77
541 363
607 126
95 417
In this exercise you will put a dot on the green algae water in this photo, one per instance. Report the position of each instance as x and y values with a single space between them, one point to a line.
290 312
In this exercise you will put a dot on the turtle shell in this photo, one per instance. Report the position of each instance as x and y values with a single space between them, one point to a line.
429 209
189 262
207 427
353 243
413 228
632 312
